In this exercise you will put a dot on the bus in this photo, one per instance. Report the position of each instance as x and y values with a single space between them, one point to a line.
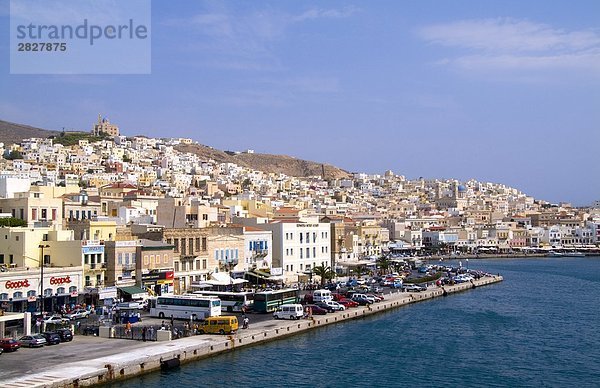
268 301
194 307
231 301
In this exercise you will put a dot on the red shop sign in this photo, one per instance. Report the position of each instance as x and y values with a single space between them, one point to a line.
17 284
61 280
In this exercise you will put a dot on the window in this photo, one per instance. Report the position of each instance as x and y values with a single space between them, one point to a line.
120 259
176 266
300 238
30 293
146 260
314 251
314 236
165 258
4 296
133 258
203 263
11 258
176 243
307 253
307 237
301 253
2 259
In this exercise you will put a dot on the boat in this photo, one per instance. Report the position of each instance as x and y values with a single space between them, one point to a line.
574 254
555 254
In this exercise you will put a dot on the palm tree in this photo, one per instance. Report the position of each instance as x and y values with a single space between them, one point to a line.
324 272
360 270
383 263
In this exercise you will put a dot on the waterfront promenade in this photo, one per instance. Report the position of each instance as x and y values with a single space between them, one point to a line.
93 360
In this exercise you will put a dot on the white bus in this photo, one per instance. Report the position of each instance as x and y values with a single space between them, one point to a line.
195 307
231 301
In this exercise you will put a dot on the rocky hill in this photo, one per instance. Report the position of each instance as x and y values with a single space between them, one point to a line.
266 162
15 133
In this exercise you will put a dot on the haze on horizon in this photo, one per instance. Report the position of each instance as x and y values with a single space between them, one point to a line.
499 91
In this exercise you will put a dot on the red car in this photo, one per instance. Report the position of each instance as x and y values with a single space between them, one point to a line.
347 303
316 310
9 344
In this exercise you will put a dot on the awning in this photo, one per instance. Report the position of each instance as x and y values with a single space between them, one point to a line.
219 279
133 290
264 275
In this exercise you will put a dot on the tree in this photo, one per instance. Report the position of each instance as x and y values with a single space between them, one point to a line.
11 221
324 272
246 184
360 270
14 154
383 263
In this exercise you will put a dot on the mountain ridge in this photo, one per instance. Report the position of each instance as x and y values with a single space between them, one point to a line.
14 133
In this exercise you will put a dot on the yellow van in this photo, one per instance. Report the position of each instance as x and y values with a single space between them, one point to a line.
219 325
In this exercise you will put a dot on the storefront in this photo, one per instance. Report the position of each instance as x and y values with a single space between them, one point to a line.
20 289
159 281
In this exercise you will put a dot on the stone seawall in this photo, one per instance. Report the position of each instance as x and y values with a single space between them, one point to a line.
120 366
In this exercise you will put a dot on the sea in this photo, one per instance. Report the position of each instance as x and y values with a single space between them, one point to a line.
537 328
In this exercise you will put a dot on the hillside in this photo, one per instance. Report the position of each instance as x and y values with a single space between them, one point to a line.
13 133
267 162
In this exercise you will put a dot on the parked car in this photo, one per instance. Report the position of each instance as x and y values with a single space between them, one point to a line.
52 338
347 303
376 297
65 335
78 314
55 319
325 306
363 296
36 340
362 301
316 310
335 305
9 344
413 288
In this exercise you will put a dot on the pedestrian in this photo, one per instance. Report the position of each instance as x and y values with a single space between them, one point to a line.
171 320
162 325
144 333
128 327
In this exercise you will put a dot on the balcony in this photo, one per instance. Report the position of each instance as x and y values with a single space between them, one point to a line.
258 253
95 266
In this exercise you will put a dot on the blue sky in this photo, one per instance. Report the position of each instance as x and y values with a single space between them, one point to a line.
500 91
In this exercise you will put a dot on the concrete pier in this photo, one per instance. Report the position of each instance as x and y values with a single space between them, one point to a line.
153 356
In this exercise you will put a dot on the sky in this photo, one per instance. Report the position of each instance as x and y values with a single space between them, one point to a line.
498 91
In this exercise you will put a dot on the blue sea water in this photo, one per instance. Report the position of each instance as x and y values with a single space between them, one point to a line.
537 328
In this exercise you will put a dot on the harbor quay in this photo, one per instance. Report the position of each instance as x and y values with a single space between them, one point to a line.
117 359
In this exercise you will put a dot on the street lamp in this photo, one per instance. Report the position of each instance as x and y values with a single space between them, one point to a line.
42 262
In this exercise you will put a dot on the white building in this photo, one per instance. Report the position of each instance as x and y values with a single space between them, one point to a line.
299 246
258 249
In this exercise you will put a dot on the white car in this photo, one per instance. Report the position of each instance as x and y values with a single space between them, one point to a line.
56 319
335 305
77 314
